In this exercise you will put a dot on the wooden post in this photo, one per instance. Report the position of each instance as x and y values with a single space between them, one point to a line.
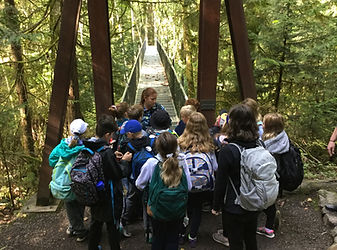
208 57
59 96
239 35
101 54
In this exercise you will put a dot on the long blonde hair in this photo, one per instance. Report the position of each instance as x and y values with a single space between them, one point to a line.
273 124
196 137
166 145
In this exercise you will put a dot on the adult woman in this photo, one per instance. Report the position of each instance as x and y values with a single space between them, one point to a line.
150 105
240 224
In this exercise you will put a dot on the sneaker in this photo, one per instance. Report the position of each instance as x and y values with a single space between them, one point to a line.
182 238
69 231
125 232
266 232
82 237
192 241
220 231
277 222
221 239
148 238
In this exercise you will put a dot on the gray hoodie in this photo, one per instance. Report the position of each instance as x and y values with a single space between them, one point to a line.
278 144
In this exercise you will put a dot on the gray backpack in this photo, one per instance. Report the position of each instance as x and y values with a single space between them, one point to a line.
259 187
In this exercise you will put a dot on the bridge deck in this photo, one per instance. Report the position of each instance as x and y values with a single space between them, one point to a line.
152 74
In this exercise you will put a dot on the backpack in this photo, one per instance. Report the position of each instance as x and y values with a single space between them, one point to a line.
139 158
167 204
201 171
290 168
259 187
87 175
60 183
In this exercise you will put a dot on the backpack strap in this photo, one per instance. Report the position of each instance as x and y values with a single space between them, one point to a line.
88 150
237 146
131 147
232 184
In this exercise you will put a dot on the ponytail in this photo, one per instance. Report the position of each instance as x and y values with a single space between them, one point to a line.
171 172
74 141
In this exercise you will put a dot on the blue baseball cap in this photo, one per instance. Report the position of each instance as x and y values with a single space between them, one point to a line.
132 126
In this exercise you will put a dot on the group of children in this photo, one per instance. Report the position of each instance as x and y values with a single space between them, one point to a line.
138 142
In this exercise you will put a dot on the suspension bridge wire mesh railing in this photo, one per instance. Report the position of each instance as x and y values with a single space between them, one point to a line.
130 90
177 89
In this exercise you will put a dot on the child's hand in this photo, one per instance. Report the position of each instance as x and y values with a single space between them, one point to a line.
127 156
118 155
215 212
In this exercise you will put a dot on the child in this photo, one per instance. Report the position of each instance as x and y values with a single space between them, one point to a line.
255 107
165 234
68 149
137 142
197 142
120 113
114 169
277 142
185 113
160 122
240 224
149 104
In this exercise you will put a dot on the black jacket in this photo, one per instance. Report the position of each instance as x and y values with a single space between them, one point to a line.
113 171
229 165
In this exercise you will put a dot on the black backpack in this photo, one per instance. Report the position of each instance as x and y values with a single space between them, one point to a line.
290 168
87 177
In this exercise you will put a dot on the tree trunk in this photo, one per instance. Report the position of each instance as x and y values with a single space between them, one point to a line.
20 84
188 60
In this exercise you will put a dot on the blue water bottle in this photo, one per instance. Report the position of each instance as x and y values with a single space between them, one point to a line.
100 186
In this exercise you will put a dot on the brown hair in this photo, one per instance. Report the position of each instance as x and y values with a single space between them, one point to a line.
171 173
196 137
242 123
194 102
254 106
119 110
146 93
135 112
273 124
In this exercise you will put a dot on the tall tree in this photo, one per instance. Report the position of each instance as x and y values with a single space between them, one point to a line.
13 24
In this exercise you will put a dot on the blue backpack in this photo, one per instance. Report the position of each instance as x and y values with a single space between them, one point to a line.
60 183
140 157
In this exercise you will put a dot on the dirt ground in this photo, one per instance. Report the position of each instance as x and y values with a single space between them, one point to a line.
301 228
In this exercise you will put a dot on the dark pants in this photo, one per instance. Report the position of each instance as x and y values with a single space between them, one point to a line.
194 206
165 234
75 213
95 234
241 229
133 204
270 213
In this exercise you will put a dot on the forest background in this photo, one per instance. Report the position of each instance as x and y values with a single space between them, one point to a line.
293 49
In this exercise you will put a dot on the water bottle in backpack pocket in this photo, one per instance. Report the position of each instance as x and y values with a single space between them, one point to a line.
201 171
87 177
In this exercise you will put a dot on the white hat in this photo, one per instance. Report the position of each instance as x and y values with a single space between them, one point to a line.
78 126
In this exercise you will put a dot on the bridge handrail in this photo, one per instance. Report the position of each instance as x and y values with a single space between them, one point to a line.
177 89
129 94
